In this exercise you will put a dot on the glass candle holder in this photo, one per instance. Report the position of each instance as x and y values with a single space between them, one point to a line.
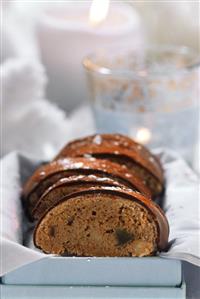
151 95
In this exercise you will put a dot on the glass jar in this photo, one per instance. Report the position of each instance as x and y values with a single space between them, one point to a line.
151 95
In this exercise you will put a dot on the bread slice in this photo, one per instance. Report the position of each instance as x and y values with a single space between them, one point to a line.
103 221
122 150
66 186
48 174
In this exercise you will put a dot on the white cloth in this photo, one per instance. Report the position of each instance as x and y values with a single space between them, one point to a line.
26 112
182 209
24 108
181 205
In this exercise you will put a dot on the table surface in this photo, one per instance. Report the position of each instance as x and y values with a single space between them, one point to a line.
192 278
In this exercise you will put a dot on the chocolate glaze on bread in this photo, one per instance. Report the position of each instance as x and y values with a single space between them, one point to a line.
103 221
48 174
66 186
94 199
122 150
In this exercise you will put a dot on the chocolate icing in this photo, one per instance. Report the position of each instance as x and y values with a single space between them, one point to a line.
114 144
80 182
72 166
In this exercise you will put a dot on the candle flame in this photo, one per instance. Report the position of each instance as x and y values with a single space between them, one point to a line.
98 11
143 135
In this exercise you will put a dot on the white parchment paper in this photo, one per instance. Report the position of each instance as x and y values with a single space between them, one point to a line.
181 207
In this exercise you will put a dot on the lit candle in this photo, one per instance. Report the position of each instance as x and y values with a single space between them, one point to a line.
69 32
98 13
143 135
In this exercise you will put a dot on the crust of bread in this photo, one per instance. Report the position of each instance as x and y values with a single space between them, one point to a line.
66 186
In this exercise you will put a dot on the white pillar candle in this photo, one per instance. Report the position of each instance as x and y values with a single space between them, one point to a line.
69 32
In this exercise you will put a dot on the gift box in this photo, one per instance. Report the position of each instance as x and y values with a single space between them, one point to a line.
26 270
79 277
148 271
102 292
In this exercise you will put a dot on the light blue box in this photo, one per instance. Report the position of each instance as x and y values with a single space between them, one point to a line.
146 271
100 292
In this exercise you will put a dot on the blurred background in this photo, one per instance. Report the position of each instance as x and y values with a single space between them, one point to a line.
71 68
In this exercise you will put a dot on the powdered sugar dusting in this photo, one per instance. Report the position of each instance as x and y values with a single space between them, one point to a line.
116 152
97 139
87 156
151 159
128 175
78 164
92 158
139 147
